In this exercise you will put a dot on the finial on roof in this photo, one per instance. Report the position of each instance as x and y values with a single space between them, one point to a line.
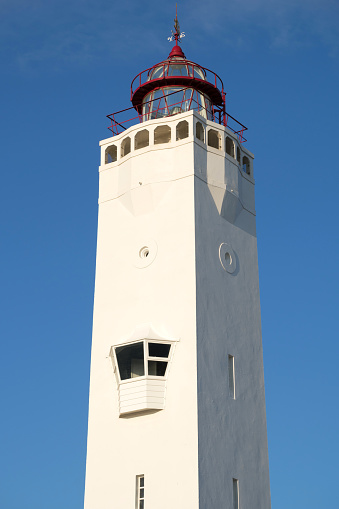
176 36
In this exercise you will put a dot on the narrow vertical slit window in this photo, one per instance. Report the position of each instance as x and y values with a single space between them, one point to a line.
235 494
140 492
231 380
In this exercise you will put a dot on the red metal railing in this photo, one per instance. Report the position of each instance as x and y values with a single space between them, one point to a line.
193 72
121 120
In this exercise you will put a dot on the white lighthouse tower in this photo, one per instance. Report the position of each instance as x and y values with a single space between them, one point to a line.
177 404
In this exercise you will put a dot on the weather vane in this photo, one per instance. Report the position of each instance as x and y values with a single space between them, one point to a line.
176 35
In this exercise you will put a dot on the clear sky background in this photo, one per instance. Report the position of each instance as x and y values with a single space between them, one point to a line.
64 66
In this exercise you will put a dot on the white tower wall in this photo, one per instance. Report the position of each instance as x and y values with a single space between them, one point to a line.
232 432
181 200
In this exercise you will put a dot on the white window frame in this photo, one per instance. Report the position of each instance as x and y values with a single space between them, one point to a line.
147 358
138 497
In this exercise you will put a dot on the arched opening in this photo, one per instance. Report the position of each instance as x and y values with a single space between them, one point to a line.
238 154
200 132
246 165
182 130
125 146
141 139
162 134
213 139
229 146
111 154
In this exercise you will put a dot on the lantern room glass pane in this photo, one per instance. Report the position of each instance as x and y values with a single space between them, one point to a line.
131 360
199 73
178 70
158 72
177 102
176 67
167 101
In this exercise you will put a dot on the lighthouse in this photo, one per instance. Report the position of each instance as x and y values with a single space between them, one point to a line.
177 414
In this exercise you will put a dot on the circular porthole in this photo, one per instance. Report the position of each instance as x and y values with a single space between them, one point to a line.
227 258
145 253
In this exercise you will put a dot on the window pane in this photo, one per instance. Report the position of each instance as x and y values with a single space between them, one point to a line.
157 94
141 139
176 100
162 134
182 130
141 504
142 493
130 360
208 108
141 481
157 72
158 350
177 70
157 368
198 73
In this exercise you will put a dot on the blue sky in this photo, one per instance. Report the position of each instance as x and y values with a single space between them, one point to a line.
65 65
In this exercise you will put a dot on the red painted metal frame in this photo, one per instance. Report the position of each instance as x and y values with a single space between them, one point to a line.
167 63
142 84
166 108
218 114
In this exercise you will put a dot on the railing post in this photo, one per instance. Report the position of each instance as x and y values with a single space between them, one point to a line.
224 106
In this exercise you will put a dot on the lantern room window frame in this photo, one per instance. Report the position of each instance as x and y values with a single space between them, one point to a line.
198 77
192 70
166 101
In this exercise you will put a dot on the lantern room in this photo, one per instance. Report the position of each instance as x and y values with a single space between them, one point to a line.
177 85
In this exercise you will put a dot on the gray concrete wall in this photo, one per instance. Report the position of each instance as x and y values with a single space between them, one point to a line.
231 432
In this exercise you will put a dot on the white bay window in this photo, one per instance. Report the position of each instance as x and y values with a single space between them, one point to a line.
141 367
